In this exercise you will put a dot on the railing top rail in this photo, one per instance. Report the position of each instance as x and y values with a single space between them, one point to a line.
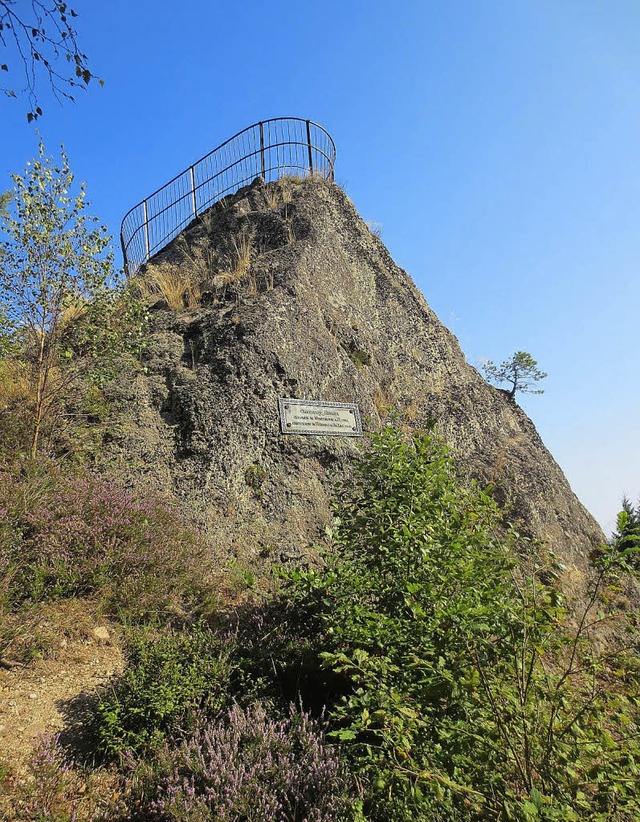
287 143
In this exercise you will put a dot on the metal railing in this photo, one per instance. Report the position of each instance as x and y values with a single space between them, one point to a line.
268 149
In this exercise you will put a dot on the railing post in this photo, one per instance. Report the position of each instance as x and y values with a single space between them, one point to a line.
193 191
146 229
264 173
309 147
124 255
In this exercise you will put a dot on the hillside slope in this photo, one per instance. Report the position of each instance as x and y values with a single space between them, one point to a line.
297 298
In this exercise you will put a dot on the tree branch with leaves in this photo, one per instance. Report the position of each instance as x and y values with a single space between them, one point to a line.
41 40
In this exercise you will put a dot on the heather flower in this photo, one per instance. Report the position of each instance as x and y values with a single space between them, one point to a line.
246 765
81 535
56 788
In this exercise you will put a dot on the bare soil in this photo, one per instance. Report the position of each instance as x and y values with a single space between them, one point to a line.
52 695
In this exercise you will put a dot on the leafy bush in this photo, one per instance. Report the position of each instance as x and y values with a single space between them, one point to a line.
166 677
452 686
67 535
246 765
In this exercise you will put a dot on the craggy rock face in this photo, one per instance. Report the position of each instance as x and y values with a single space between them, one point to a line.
295 297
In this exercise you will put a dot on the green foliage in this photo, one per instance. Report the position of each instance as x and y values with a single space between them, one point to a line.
452 688
54 255
61 315
55 260
167 677
7 336
520 372
626 540
359 357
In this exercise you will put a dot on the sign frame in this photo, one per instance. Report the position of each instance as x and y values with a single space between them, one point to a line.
287 426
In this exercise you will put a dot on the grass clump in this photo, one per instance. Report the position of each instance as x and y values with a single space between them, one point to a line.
177 286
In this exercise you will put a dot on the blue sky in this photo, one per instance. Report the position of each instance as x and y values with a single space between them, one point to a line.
495 141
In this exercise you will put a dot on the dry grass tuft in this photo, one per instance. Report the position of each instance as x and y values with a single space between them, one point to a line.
382 403
411 411
272 195
16 384
72 313
286 190
177 286
242 246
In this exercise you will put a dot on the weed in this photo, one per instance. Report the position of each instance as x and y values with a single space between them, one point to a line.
411 411
254 476
240 264
382 402
272 195
374 227
359 357
242 245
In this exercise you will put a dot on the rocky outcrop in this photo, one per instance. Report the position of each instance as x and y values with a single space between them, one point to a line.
295 297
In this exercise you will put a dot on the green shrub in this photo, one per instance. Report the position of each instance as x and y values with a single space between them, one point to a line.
453 688
166 678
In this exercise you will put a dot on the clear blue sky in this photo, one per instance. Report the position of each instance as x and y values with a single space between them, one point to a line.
495 141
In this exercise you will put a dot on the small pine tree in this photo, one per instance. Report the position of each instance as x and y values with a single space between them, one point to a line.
521 372
626 540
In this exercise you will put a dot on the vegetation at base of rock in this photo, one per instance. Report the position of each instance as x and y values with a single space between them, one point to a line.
168 676
454 690
443 674
246 764
72 534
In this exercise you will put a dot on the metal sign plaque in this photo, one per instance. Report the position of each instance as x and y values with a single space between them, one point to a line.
325 419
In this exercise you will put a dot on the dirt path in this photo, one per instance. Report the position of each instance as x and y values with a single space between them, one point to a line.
50 695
